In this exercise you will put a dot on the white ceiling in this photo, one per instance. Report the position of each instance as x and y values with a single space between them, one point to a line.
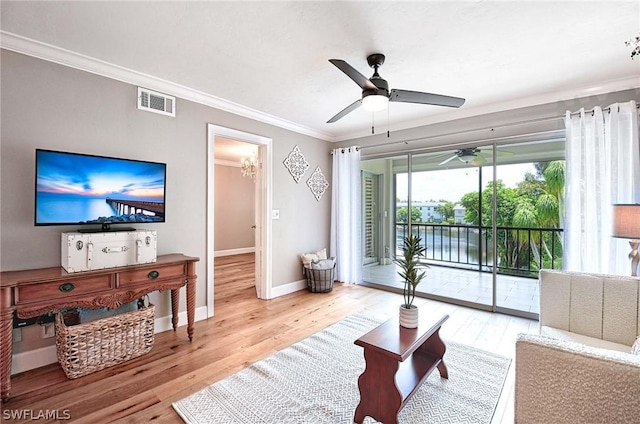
272 57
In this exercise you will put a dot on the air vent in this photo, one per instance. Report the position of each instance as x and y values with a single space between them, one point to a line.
153 101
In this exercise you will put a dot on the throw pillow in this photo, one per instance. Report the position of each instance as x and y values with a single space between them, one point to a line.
635 349
307 258
323 264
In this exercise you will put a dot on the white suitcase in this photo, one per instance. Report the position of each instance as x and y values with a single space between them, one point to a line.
88 251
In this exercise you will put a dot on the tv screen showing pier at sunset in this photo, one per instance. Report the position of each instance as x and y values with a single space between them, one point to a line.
73 188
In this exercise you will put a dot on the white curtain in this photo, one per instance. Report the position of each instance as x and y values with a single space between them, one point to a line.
602 168
346 216
621 131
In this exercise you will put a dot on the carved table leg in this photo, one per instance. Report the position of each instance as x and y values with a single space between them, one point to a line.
191 305
379 396
6 342
175 305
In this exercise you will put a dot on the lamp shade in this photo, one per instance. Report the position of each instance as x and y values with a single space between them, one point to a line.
626 221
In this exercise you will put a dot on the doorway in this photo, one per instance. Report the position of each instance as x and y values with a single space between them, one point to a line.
262 205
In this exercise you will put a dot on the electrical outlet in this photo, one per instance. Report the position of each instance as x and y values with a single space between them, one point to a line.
17 335
48 330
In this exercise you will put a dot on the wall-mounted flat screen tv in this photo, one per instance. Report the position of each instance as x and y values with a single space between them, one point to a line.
80 189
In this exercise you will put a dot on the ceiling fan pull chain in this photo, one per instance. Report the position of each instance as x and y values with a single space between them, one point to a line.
388 132
372 123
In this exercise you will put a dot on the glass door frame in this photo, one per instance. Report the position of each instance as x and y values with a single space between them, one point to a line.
494 227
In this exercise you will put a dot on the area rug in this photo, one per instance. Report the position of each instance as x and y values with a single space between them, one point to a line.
316 381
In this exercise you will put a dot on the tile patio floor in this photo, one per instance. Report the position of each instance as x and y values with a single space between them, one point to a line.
512 292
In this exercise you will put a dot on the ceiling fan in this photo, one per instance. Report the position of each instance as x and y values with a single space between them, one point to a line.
474 156
375 90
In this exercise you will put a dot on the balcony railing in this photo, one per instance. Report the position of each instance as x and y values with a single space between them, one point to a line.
520 251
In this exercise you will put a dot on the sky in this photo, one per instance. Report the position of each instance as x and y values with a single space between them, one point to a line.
452 184
94 176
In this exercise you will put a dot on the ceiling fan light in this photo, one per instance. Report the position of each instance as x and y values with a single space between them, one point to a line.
467 157
375 103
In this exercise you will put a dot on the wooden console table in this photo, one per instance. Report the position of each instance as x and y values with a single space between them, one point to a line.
398 360
35 292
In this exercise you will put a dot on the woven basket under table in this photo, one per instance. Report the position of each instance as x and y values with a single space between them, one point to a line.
86 348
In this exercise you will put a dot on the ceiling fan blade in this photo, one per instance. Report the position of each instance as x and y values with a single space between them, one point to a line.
504 153
450 159
408 96
352 73
353 106
499 153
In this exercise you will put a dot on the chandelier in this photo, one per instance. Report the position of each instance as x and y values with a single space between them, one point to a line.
249 167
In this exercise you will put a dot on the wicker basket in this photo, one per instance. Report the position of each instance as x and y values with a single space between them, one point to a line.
319 280
86 348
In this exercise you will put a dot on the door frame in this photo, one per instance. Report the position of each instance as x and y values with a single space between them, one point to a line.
263 203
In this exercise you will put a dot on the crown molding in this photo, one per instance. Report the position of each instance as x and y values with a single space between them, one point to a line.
55 54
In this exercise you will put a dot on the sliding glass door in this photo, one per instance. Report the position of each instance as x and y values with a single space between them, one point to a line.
483 213
445 210
529 230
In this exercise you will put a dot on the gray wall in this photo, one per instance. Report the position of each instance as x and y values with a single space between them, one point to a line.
234 209
45 105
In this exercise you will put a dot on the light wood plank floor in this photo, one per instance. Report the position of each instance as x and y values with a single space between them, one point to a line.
244 330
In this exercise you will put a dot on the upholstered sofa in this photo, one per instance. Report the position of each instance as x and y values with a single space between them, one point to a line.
580 368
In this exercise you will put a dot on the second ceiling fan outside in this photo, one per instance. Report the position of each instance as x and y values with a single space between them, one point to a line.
474 156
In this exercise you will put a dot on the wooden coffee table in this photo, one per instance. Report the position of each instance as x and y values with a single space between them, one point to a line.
398 360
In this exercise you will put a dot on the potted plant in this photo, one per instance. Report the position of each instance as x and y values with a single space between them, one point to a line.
411 272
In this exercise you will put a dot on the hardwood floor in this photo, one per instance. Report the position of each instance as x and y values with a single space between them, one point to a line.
243 330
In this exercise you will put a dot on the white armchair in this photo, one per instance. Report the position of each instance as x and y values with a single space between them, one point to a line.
580 369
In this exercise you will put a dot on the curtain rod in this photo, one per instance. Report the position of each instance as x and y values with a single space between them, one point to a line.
512 124
606 109
346 148
461 145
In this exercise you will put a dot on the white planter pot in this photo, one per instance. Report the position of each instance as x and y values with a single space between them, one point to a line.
409 317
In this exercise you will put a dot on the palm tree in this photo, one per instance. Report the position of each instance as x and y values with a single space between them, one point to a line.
547 211
554 176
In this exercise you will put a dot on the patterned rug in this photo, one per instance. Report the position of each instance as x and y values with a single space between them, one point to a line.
316 381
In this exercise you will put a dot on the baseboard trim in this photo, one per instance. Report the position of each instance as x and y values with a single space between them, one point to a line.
31 359
229 252
37 358
288 288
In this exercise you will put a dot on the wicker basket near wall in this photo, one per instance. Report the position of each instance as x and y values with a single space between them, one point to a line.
319 280
86 348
